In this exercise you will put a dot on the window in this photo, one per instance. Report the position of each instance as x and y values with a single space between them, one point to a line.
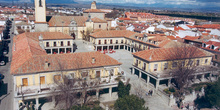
57 77
126 42
204 45
54 44
100 26
190 62
47 44
97 74
42 80
105 41
122 41
155 67
111 41
165 66
144 67
216 56
116 41
174 64
197 62
40 3
24 82
206 61
212 47
139 46
99 41
68 43
61 43
183 63
84 74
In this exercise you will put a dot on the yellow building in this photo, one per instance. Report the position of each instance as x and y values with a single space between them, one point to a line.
127 40
35 72
155 66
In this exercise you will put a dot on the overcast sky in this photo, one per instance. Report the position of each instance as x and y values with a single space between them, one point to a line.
148 3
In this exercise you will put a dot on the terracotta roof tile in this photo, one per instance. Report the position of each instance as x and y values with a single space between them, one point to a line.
93 11
69 61
29 57
113 33
165 54
97 20
57 20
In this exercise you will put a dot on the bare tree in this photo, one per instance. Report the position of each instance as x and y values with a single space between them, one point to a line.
183 64
74 90
138 90
86 34
65 85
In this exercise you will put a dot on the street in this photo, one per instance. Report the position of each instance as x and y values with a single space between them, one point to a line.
6 89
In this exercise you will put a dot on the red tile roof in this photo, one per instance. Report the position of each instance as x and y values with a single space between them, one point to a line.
29 57
49 35
97 20
113 33
93 11
177 28
57 20
165 54
71 61
191 37
171 37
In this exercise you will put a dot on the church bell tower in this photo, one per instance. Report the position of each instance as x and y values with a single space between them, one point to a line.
40 16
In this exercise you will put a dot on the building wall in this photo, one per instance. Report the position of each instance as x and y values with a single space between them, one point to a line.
66 30
93 15
34 79
96 40
40 12
161 64
102 26
58 42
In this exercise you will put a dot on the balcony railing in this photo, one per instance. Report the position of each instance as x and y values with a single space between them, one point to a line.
49 88
136 65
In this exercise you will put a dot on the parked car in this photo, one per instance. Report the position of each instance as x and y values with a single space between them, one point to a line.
1 79
2 61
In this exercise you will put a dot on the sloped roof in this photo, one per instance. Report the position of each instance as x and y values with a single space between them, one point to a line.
70 61
112 33
29 57
66 20
97 20
93 11
165 54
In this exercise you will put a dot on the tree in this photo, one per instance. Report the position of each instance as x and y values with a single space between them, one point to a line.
138 90
86 34
212 94
123 89
130 102
65 85
182 64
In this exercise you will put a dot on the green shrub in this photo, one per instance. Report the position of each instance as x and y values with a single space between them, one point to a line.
118 79
172 89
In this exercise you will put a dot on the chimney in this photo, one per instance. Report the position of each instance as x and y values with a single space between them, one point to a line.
46 65
93 60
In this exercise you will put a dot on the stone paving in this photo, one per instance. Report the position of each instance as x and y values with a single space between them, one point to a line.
154 102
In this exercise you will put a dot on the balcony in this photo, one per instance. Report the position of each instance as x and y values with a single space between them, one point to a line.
51 88
143 68
136 65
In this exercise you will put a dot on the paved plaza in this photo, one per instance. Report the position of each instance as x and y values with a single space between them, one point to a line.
154 102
